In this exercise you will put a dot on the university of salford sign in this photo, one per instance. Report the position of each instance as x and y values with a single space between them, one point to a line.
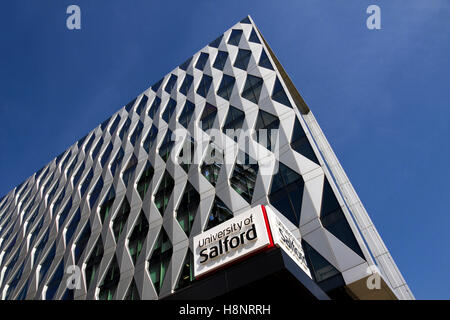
255 230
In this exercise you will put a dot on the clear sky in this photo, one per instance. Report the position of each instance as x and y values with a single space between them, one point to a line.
382 97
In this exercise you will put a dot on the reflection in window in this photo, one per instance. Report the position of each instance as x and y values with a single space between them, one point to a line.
164 192
160 259
219 213
252 88
138 236
109 284
188 208
244 175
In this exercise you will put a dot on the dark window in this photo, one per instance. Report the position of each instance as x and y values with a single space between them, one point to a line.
106 154
204 86
109 284
286 193
114 125
211 166
63 216
41 246
105 209
235 37
246 20
23 293
170 110
137 238
82 241
136 133
97 148
254 37
73 226
244 176
242 59
267 129
89 143
125 128
77 176
171 83
300 143
264 61
86 182
144 181
142 104
186 114
154 108
130 105
216 43
235 119
187 273
202 61
150 139
252 88
46 263
121 218
188 208
13 284
128 173
186 85
208 116
226 87
185 65
221 58
133 293
117 161
333 219
164 192
187 154
219 213
160 259
320 268
95 192
93 263
156 86
279 95
166 146
55 281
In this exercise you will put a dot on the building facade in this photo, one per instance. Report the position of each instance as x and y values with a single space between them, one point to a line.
114 216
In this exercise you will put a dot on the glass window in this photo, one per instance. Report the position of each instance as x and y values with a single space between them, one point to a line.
320 268
186 85
279 95
106 154
286 193
46 263
89 143
86 182
124 129
121 218
244 175
81 241
128 172
110 282
13 284
242 59
156 86
246 20
166 146
333 219
150 139
154 107
186 114
202 61
216 43
267 129
95 192
186 156
160 259
73 226
130 105
219 213
211 168
170 110
300 143
208 116
187 273
114 125
204 86
105 209
235 37
226 87
93 263
188 208
97 148
264 61
144 181
137 238
254 37
164 192
142 104
185 65
55 281
252 88
63 215
133 293
136 133
171 83
117 161
221 58
235 119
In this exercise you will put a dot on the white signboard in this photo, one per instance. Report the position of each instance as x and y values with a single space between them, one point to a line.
247 233
229 241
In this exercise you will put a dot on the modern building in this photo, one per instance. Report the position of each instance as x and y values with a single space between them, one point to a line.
115 215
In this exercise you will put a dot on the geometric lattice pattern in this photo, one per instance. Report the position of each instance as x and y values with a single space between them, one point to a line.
111 204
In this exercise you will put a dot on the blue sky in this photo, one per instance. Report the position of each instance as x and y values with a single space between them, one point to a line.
381 96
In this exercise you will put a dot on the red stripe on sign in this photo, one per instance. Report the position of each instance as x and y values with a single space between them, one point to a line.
266 220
